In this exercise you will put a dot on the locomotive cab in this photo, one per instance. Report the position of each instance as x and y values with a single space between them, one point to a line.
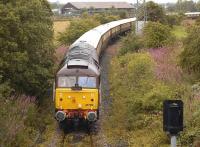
77 91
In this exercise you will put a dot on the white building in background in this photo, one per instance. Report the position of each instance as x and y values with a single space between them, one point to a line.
96 7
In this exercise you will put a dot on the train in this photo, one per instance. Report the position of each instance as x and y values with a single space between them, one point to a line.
77 87
192 15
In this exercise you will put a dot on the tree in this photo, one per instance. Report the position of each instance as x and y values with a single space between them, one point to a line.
191 54
157 35
26 59
186 6
171 7
155 12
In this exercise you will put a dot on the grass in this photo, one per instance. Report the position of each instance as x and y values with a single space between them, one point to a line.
60 26
179 32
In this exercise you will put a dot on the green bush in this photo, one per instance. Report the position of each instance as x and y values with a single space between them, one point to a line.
173 20
191 134
77 28
135 90
197 21
5 89
157 35
137 98
130 43
190 56
123 14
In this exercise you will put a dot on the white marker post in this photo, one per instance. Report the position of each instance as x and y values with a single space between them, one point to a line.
173 141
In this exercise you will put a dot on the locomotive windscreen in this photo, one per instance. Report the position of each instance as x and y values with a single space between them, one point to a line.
82 81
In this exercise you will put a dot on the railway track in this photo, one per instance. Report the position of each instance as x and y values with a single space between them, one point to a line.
93 136
78 136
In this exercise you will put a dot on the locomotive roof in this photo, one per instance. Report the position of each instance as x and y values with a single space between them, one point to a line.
82 51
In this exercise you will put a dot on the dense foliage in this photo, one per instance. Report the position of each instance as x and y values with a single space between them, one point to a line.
157 35
137 70
155 12
183 6
144 81
22 122
26 68
191 54
137 94
26 58
130 43
187 6
174 20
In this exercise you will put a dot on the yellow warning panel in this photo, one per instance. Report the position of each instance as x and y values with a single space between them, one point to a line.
66 98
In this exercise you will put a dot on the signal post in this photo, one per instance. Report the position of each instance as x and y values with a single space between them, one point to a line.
173 118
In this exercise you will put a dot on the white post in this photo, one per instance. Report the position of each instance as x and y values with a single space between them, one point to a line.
173 141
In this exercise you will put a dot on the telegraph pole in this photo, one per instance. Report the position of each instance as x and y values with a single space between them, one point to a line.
140 14
58 7
180 6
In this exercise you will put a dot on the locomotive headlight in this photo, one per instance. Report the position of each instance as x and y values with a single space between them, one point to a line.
84 97
79 105
69 97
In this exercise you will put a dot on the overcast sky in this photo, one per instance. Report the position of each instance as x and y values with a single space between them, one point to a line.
130 1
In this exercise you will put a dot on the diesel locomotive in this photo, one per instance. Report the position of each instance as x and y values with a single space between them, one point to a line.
77 93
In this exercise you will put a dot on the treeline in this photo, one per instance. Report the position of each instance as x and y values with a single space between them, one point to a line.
184 6
26 69
157 13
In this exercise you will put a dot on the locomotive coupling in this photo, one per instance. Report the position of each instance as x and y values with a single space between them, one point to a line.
60 116
92 116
